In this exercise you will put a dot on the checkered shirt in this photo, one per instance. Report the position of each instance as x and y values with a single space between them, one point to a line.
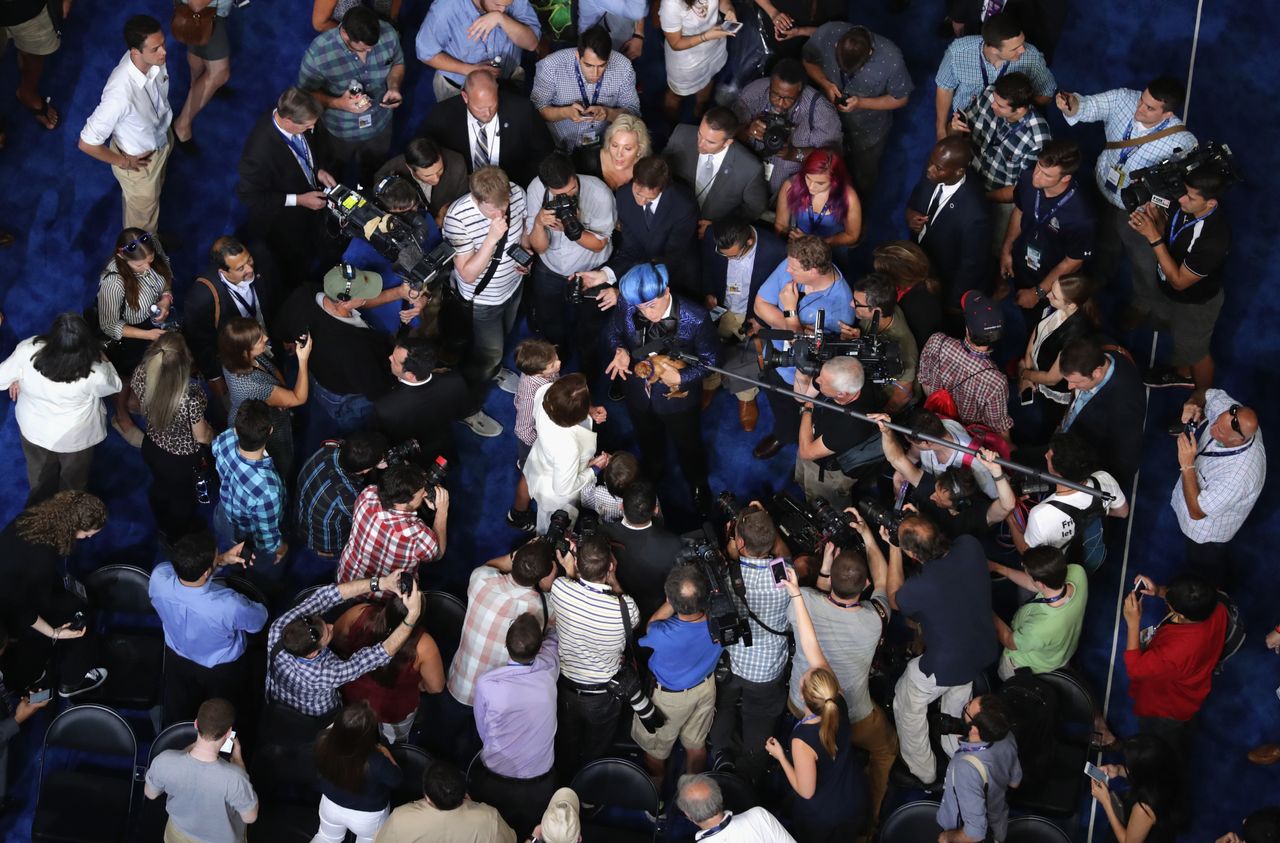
1229 485
311 685
962 66
766 658
1115 110
253 497
555 83
326 495
494 600
1003 150
596 497
384 540
525 389
330 67
980 390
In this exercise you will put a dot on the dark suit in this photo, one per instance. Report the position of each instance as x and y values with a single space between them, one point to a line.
269 171
770 251
453 181
671 239
524 139
645 557
201 328
739 187
425 413
1042 20
959 242
1112 421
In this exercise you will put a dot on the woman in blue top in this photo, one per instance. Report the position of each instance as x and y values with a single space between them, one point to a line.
357 777
819 200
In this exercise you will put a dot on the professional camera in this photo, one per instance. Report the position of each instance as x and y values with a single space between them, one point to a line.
1163 183
878 514
702 548
397 237
566 210
881 359
777 131
576 293
562 534
626 686
405 451
806 528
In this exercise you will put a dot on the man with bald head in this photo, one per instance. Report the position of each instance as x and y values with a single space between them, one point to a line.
700 799
1222 465
948 216
491 127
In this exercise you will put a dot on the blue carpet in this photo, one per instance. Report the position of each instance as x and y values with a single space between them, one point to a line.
65 209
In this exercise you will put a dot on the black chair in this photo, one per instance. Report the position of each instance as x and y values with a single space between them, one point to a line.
152 816
443 615
1057 791
1035 830
913 822
131 641
615 794
305 593
85 799
177 736
738 795
243 585
414 762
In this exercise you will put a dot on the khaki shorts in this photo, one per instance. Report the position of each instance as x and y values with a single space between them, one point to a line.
35 37
689 715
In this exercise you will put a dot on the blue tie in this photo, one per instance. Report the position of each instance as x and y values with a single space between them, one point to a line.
303 154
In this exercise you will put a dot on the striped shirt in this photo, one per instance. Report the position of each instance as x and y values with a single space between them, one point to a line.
592 635
114 310
1229 484
494 600
465 228
1115 109
965 71
1003 150
558 81
528 385
331 67
326 496
766 658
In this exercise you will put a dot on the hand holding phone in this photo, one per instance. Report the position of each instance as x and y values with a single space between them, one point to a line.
1095 772
229 745
1028 397
778 568
40 696
731 26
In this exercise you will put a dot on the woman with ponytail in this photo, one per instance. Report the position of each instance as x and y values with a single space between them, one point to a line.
830 785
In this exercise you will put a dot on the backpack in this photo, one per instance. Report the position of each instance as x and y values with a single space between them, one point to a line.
1033 715
1234 639
1086 547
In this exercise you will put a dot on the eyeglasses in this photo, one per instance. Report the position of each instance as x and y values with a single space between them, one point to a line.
134 244
1234 410
781 97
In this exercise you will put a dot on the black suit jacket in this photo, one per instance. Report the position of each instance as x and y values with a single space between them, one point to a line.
453 182
269 171
200 326
425 413
525 140
959 242
770 251
670 240
644 559
1112 421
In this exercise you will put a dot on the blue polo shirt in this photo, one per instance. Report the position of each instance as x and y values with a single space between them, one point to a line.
1052 229
683 652
836 300
205 624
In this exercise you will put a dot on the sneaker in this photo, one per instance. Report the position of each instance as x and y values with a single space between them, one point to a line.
92 679
483 424
521 520
1165 377
507 380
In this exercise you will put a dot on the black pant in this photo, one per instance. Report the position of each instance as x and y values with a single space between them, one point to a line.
549 316
786 411
520 801
584 728
1209 561
685 430
188 684
746 716
173 492
63 662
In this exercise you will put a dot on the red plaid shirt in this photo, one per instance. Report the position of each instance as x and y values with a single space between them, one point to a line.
980 390
384 540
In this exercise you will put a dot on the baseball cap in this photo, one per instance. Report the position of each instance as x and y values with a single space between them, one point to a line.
345 282
980 315
560 823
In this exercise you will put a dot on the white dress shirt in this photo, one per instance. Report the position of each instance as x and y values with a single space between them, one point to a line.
59 417
737 280
947 191
754 826
134 110
491 133
291 199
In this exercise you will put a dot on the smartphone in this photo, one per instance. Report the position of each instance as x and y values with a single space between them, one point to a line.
731 26
247 552
1137 587
39 696
717 312
78 621
1028 397
229 744
406 582
778 568
520 256
1095 773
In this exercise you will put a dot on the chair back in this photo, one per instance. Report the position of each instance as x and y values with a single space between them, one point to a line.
618 783
119 588
243 586
414 762
305 593
1035 830
911 823
1075 703
443 616
177 736
92 728
738 794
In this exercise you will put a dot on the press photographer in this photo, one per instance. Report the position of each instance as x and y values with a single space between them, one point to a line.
784 119
835 449
328 484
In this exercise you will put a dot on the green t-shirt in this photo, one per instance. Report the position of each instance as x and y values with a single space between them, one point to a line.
1047 637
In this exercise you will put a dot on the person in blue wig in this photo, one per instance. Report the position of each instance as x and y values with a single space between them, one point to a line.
664 396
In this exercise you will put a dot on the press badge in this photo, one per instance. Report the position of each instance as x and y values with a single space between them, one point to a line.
1115 177
768 170
365 121
1033 257
1145 635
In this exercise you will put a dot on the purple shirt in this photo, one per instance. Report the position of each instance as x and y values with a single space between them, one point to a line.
515 708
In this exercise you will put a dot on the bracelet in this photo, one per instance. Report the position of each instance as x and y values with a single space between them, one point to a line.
638 35
1188 468
822 574
405 622
373 585
1154 243
997 477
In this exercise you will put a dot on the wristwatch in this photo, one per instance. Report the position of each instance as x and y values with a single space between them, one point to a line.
787 314
373 585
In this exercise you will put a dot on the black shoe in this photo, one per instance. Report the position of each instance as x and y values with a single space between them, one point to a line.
1165 377
521 520
91 680
702 499
617 389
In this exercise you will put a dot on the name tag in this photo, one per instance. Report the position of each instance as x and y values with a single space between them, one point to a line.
1033 257
768 170
1115 177
733 289
365 121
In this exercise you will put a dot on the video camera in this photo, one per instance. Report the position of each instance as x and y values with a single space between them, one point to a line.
561 532
566 210
1163 183
777 131
396 237
881 359
807 528
702 548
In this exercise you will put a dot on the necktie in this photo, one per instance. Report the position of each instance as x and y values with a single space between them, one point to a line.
706 173
648 214
481 156
303 154
934 204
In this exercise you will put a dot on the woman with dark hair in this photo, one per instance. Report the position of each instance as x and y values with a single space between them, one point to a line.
919 293
135 298
1071 314
58 380
177 434
35 604
820 200
250 373
563 460
357 777
1152 810
393 690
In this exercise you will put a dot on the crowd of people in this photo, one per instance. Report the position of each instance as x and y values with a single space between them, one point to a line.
299 404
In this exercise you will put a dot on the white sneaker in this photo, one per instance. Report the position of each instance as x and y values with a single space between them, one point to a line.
93 679
482 424
507 380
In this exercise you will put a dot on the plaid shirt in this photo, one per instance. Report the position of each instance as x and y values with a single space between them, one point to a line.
1002 150
494 600
558 81
525 389
329 66
980 390
767 657
326 495
1229 484
311 685
384 540
596 497
966 72
252 494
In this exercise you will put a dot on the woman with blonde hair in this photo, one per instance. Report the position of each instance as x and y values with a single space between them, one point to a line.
626 141
177 433
919 294
830 785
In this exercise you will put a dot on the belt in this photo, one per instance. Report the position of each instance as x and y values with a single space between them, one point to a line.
684 690
532 780
582 688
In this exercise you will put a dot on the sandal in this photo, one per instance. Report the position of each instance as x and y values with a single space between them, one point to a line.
46 115
133 435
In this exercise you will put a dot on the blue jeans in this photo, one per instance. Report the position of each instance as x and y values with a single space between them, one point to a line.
349 412
491 324
227 537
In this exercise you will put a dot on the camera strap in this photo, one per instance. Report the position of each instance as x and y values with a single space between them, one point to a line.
1129 143
499 250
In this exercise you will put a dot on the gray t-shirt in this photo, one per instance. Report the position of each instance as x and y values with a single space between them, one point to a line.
848 638
598 212
885 73
204 800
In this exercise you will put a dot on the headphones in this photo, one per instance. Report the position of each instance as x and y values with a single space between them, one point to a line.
349 276
950 480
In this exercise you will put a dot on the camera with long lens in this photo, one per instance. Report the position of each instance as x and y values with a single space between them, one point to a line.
1163 183
402 453
879 514
399 238
563 534
777 131
626 686
565 208
576 293
881 358
808 527
726 623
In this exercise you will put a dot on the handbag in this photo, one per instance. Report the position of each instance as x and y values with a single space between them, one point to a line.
190 27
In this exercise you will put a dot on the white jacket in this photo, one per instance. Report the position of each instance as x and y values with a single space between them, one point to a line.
558 467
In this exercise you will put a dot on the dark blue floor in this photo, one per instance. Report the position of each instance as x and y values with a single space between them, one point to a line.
65 209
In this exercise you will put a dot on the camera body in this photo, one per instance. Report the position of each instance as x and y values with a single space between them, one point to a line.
777 131
565 208
562 533
396 238
807 528
879 514
881 359
1164 182
402 453
726 623
576 293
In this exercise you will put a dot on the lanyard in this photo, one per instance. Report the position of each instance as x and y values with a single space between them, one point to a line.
252 309
716 829
982 65
1128 133
842 604
1175 230
1053 209
582 86
1205 452
1013 129
1047 599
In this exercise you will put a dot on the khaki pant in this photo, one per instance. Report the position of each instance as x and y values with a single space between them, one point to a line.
874 734
727 329
689 714
141 188
833 485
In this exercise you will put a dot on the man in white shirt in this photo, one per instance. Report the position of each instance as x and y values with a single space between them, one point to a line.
699 798
130 127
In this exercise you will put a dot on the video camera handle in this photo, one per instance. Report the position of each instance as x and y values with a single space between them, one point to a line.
677 354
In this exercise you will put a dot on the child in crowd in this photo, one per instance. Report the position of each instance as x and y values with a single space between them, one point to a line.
539 365
605 497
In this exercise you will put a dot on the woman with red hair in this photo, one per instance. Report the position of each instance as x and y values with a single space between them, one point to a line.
820 200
